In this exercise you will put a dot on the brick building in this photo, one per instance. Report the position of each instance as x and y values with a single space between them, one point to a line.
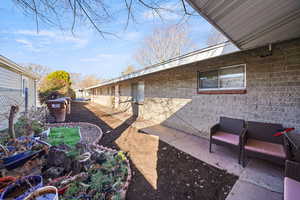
190 94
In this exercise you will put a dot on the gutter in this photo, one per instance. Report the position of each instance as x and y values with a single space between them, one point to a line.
15 67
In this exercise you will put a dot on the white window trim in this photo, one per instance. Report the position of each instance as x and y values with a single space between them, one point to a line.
222 89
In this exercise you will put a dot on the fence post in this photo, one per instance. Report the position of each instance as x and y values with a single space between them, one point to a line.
26 100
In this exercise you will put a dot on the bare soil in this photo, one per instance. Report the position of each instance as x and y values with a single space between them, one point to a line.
160 171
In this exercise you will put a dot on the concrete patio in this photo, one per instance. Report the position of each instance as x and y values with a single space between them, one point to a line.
259 180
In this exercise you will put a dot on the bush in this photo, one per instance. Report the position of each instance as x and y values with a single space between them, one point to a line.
26 126
56 84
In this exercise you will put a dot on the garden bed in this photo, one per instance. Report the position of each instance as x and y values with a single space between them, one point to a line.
91 135
179 175
94 172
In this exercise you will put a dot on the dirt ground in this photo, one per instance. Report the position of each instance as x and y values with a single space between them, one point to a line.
160 171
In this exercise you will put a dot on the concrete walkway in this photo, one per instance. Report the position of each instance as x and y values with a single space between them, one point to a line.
259 180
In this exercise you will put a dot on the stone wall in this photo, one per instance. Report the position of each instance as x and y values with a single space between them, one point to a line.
273 91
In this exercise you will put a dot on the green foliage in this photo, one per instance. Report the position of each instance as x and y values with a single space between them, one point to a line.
27 126
117 196
62 135
107 178
57 84
73 153
59 76
73 190
4 138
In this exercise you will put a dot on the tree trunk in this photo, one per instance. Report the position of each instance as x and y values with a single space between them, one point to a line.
13 111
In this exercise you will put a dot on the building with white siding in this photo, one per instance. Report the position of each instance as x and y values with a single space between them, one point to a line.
14 82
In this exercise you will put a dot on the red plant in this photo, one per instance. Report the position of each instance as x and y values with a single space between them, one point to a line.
284 131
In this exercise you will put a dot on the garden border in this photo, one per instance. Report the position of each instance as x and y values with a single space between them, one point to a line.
96 145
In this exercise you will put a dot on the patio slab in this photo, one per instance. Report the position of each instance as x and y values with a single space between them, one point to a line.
264 174
243 190
197 147
259 180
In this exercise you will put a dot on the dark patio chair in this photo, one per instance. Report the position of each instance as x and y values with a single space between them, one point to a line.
259 141
227 132
292 180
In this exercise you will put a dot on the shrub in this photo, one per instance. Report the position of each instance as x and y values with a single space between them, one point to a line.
54 85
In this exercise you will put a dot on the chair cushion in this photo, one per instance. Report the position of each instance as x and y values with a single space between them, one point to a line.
291 189
265 148
226 137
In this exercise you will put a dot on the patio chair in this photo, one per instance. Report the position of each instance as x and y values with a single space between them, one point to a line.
258 141
227 132
292 181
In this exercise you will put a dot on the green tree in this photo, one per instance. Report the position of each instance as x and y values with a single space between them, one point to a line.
56 84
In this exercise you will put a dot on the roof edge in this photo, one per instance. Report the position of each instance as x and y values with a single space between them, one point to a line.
193 5
131 75
15 67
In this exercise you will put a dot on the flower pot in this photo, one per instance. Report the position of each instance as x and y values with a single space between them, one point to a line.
19 159
43 193
22 187
5 181
84 157
57 183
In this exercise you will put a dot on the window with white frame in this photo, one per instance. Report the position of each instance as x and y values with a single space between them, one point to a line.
225 78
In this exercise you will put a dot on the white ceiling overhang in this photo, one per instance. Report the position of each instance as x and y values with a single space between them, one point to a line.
252 23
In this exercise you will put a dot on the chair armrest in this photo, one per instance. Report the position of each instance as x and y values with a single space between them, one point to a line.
243 137
292 170
214 129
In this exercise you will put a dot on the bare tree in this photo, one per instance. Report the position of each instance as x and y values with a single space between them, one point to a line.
80 81
215 37
164 44
95 12
129 69
39 71
76 78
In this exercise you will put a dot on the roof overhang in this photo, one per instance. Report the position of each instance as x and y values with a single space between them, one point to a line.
252 23
5 62
194 56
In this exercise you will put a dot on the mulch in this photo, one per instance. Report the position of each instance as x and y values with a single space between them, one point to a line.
180 176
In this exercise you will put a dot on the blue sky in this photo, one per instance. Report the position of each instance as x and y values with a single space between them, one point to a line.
86 52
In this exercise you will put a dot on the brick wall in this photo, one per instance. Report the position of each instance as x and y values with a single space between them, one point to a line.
273 91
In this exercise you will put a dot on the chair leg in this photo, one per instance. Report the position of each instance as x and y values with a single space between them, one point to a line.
243 159
240 152
210 144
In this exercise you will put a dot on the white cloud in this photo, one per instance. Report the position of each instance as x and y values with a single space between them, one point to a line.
27 44
57 36
98 58
24 42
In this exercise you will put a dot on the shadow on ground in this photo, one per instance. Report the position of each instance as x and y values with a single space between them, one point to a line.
159 170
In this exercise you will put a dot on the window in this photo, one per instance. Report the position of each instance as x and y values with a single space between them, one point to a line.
24 85
231 78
